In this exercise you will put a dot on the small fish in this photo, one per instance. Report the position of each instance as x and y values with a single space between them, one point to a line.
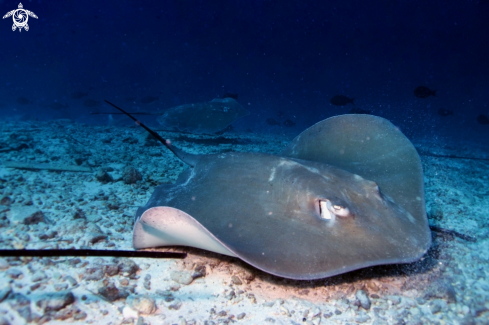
78 95
340 100
444 112
57 106
424 92
23 101
483 119
289 123
230 95
271 121
91 103
358 111
148 99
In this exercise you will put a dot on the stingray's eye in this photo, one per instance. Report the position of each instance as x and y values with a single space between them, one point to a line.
340 211
330 211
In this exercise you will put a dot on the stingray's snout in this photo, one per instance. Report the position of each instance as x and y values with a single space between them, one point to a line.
329 211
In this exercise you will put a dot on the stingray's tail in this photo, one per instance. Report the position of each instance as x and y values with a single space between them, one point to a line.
186 157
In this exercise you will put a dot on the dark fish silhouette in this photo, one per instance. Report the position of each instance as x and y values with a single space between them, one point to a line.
230 95
271 121
424 92
289 123
444 112
340 100
91 103
78 94
57 106
148 99
358 111
23 101
482 119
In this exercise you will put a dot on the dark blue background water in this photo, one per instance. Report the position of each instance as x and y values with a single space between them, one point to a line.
279 56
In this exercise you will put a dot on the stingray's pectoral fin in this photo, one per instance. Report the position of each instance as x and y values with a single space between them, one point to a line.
166 226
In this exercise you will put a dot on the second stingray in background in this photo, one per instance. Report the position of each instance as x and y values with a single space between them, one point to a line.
347 193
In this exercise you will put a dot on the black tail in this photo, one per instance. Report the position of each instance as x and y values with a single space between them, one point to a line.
187 158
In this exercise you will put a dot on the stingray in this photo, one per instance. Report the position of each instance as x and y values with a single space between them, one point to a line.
345 194
210 117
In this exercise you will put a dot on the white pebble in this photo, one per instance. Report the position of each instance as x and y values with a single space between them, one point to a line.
128 312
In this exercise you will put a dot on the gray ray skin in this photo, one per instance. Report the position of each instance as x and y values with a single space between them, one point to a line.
207 118
266 210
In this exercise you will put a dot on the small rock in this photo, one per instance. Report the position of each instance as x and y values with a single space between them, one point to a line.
95 273
222 313
79 160
327 314
55 301
38 276
436 212
131 175
128 312
182 321
14 273
74 261
435 308
127 267
95 238
151 141
236 280
363 318
268 303
4 264
363 298
6 200
26 215
241 316
35 286
110 292
176 305
70 312
111 269
395 300
70 280
140 321
4 290
79 214
230 295
103 177
147 282
21 304
48 235
246 275
147 285
181 277
199 271
443 290
143 304
60 286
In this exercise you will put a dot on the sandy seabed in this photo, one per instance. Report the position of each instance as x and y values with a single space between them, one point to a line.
113 170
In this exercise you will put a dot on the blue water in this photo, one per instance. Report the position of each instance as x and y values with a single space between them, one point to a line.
286 60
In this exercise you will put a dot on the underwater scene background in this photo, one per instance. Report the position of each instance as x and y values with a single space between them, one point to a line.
74 170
